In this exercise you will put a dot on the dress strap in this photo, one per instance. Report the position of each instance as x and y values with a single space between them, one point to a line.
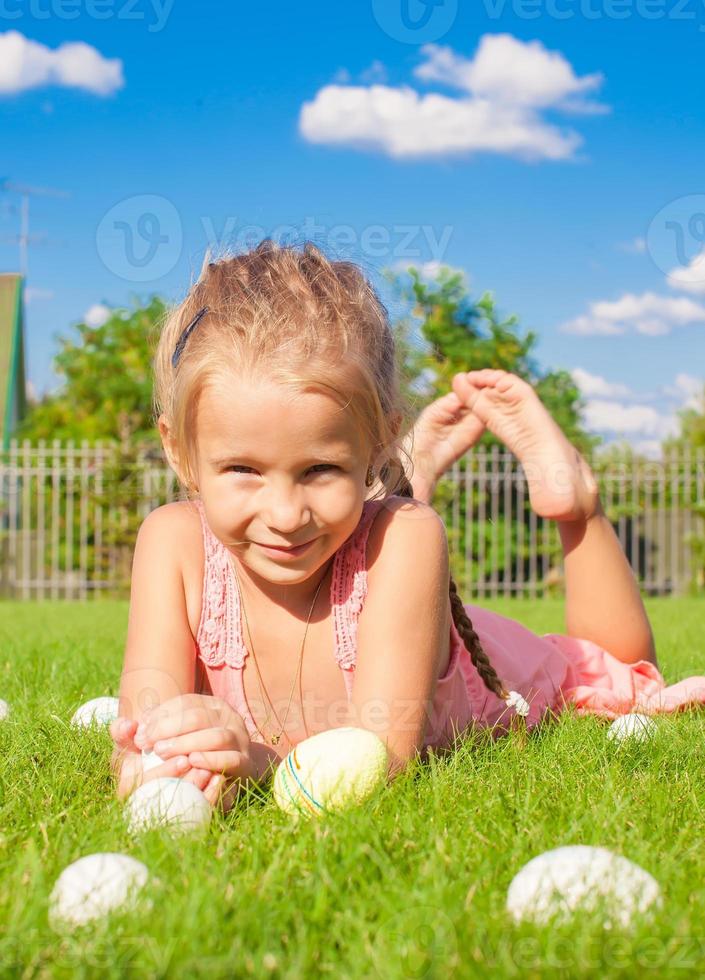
349 587
220 639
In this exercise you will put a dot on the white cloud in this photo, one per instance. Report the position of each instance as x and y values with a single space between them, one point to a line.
429 271
690 278
508 83
26 64
644 426
34 293
636 245
375 73
651 448
513 72
647 314
606 416
687 390
593 385
96 315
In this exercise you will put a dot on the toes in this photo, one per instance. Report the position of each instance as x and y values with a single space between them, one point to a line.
485 377
465 390
518 387
450 402
508 381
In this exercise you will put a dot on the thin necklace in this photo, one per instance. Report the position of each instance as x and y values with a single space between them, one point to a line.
274 739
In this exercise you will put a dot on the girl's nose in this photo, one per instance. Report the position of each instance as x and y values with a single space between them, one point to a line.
286 513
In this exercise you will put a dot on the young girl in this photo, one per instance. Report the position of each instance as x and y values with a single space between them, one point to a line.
304 583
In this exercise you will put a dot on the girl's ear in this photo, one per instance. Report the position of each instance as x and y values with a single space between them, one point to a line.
168 445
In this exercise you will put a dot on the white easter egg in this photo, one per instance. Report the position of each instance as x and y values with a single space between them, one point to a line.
170 802
632 726
561 881
99 711
93 886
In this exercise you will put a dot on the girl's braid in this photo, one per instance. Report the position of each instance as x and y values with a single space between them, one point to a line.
461 619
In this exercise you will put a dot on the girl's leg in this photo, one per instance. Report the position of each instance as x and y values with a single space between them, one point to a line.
603 602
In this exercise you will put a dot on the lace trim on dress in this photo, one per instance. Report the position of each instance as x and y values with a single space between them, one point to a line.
220 639
349 587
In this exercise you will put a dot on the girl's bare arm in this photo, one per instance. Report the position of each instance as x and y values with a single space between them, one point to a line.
404 627
159 661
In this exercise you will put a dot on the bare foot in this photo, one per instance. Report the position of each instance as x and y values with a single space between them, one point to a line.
561 484
445 431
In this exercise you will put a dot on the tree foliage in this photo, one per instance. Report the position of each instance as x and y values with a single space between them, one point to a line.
692 427
462 334
107 392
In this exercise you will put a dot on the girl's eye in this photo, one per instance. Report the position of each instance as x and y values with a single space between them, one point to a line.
324 466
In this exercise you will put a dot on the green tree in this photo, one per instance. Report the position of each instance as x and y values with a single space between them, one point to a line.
692 437
462 334
107 392
107 397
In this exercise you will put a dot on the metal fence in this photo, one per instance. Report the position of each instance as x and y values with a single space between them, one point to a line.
69 516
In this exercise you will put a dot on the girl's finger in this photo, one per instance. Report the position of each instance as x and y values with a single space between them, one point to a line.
212 790
199 777
178 720
175 767
229 762
122 731
205 740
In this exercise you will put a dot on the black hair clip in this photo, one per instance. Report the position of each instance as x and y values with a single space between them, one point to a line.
186 334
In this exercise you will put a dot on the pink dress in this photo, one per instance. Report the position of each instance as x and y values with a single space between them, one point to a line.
550 671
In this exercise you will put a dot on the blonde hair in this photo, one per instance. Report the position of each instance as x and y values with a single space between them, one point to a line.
302 321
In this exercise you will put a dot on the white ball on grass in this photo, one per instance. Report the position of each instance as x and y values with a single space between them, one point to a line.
330 771
632 726
561 881
98 711
168 802
93 886
4 709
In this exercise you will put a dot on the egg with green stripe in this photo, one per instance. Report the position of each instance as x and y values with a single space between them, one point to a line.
330 771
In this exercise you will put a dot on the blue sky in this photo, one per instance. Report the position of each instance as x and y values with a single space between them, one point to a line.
552 149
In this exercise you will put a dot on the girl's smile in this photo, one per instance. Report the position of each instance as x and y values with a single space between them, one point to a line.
282 478
286 553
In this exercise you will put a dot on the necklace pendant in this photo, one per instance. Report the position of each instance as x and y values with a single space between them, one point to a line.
275 739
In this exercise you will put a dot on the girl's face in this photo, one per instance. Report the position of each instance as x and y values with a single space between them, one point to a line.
277 468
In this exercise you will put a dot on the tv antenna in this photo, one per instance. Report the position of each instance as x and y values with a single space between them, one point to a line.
25 239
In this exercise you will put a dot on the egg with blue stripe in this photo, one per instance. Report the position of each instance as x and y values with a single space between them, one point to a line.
330 771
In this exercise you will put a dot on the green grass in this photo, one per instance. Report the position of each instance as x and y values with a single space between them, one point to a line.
413 885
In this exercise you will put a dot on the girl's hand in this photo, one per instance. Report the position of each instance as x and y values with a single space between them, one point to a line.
208 733
127 764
